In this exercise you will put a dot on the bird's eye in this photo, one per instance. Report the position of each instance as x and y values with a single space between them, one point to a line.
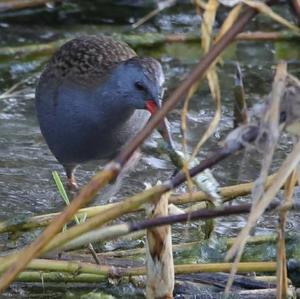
140 86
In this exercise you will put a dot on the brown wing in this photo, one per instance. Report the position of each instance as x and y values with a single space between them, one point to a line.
86 59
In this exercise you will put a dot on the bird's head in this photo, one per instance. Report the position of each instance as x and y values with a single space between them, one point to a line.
139 83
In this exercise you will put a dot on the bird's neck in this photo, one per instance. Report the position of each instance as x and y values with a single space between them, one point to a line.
113 103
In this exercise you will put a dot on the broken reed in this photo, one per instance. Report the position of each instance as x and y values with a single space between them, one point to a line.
227 193
77 268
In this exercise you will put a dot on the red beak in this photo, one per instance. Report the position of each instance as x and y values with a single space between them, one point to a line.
151 106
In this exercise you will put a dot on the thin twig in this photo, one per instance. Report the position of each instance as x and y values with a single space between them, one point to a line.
285 170
269 134
282 279
23 4
240 106
161 5
265 9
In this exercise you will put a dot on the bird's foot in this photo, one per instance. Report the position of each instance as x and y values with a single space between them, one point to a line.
72 185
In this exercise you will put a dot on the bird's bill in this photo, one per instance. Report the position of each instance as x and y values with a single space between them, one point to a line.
163 128
151 106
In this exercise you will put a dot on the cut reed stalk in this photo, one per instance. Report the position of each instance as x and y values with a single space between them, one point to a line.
77 268
159 256
228 193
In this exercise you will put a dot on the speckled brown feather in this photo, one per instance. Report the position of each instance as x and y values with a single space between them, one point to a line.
87 59
151 68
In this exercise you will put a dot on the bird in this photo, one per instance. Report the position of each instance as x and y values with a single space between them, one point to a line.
93 96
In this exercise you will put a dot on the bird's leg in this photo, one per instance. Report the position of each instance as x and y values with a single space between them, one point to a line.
71 180
71 183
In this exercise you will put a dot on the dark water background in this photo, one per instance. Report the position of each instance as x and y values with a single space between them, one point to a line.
26 186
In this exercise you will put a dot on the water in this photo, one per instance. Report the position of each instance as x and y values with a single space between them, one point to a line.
26 185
